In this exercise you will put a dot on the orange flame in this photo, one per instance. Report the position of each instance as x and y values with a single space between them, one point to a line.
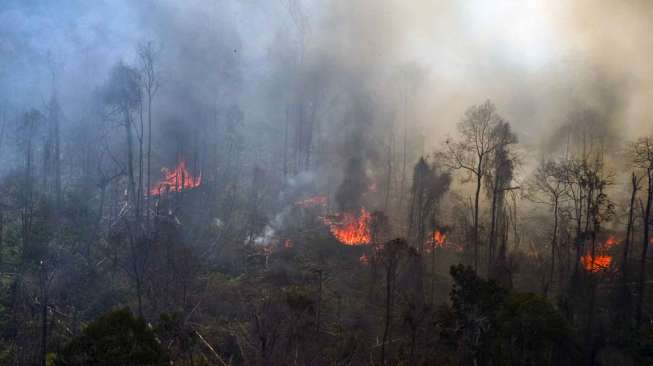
312 201
439 238
176 180
364 259
602 259
351 229
611 242
599 263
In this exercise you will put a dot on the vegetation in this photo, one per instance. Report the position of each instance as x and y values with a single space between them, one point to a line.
172 192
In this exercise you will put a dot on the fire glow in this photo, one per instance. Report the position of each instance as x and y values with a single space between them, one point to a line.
176 180
602 260
599 263
436 240
351 229
439 238
610 242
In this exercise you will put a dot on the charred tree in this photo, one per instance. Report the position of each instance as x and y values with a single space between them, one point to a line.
122 94
548 187
498 182
643 159
150 82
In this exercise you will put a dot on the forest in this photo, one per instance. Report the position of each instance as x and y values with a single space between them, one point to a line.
341 182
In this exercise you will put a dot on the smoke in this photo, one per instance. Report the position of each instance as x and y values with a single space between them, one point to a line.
359 73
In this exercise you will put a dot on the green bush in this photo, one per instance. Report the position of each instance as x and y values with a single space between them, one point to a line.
117 338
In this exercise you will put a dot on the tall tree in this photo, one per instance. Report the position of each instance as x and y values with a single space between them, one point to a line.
30 124
642 151
498 182
635 182
471 152
123 95
148 55
549 187
429 184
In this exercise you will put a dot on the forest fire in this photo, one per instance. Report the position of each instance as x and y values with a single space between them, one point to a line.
436 240
176 180
439 238
610 242
351 229
319 200
602 259
599 263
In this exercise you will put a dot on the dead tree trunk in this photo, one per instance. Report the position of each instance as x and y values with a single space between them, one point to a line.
645 243
554 243
130 156
629 228
479 178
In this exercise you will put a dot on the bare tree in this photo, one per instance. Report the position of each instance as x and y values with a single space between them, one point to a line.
29 127
46 275
549 187
391 257
471 152
148 55
123 94
635 187
642 151
52 148
428 187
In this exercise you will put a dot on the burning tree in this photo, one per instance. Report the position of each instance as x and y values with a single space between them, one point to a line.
429 185
176 180
601 259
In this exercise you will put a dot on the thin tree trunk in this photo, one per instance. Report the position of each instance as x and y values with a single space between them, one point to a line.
578 239
44 322
388 179
57 160
388 313
629 230
645 243
149 157
2 231
554 244
139 191
130 157
285 147
493 224
589 345
404 159
319 303
479 177
433 275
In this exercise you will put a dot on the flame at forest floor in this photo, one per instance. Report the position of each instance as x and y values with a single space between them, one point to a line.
176 180
351 228
596 264
601 259
436 240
